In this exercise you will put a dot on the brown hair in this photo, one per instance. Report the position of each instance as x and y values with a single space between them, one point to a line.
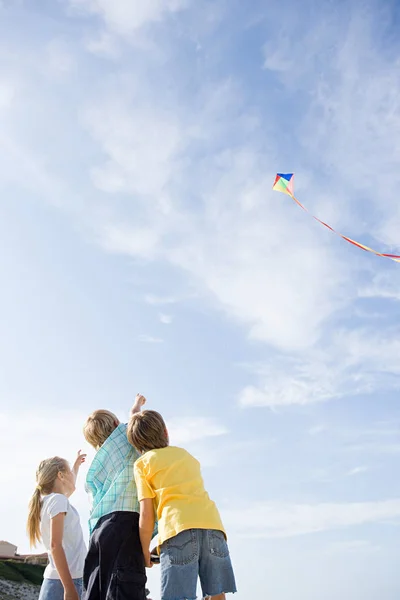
46 476
99 426
147 431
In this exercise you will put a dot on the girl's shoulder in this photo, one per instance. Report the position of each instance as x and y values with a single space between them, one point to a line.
54 497
54 504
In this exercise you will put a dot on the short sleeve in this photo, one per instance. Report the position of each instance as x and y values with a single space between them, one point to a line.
56 505
144 489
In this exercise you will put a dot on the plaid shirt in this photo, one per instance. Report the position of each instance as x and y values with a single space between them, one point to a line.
110 482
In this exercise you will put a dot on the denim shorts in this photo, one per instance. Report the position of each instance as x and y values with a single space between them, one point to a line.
53 589
193 554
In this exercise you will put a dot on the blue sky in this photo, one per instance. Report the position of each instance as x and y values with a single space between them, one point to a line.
143 250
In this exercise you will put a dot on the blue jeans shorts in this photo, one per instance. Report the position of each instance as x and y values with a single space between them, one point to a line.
53 589
193 554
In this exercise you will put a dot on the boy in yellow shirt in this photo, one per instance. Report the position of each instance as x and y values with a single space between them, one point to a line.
192 539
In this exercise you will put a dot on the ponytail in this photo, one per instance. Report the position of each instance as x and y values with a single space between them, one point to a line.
33 525
46 476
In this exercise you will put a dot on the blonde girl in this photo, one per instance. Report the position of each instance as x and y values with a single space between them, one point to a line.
53 521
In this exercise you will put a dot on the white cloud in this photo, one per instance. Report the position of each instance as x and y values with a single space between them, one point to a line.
238 245
139 242
355 362
59 59
149 339
355 114
376 440
357 471
214 216
385 285
165 319
352 546
239 248
342 68
40 432
155 300
103 44
125 17
7 95
141 144
277 58
280 520
183 430
317 429
30 170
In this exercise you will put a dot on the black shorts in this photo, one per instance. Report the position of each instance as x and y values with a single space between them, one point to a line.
114 566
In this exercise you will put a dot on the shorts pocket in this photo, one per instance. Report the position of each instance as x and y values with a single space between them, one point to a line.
182 549
127 584
217 543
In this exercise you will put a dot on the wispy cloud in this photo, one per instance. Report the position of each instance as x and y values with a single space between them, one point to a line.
149 339
125 17
237 246
317 429
183 430
156 300
141 146
7 93
60 61
173 183
355 362
352 546
139 242
278 520
165 319
382 285
357 471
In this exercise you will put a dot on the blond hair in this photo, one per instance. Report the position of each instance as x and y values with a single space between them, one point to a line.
99 426
147 431
46 476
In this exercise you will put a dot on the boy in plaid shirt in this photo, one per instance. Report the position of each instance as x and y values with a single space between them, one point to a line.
114 567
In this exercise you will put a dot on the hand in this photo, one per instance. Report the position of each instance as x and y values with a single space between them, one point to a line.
147 560
79 460
71 594
139 402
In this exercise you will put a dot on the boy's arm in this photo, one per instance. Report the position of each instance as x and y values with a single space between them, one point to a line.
137 406
146 528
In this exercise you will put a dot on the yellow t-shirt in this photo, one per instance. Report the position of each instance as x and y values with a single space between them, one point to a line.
172 477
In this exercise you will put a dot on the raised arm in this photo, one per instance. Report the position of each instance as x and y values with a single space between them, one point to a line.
79 460
137 406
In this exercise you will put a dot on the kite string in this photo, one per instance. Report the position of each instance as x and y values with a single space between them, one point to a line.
393 257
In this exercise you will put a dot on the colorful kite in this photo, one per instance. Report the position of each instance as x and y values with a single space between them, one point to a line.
285 184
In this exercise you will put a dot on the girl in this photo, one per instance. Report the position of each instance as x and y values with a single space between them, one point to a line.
54 521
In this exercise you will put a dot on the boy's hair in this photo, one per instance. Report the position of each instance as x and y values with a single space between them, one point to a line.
99 426
147 431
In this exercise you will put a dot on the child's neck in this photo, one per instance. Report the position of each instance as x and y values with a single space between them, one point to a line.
59 488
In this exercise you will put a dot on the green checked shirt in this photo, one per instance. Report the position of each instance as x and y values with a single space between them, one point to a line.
110 482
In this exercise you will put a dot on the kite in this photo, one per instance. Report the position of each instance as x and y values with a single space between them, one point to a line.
285 183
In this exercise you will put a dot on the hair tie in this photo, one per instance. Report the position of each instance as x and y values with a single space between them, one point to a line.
39 488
